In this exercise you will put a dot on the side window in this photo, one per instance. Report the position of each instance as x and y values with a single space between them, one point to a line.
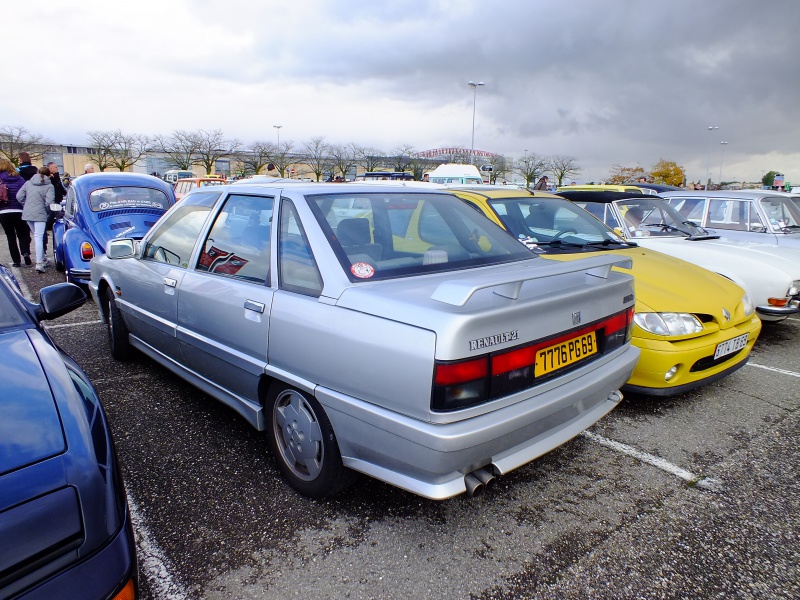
238 243
173 240
69 205
725 214
296 265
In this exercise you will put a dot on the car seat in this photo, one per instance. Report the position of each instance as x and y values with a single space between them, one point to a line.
354 236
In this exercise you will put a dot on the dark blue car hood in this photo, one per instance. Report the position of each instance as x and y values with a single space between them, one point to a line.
30 426
124 225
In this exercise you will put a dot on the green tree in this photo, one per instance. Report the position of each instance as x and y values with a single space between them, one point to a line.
769 178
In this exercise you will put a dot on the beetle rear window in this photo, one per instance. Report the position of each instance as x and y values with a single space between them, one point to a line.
383 235
112 198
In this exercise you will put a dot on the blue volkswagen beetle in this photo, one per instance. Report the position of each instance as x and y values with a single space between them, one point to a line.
100 207
65 528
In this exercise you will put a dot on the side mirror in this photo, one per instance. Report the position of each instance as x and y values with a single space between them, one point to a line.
122 248
59 299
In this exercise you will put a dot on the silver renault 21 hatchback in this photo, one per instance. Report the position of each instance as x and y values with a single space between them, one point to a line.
388 330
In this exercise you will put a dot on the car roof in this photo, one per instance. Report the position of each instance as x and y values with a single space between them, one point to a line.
602 196
89 182
727 193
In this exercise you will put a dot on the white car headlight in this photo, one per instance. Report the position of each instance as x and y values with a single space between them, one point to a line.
749 307
668 323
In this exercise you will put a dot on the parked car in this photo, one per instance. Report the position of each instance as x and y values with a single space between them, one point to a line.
770 275
186 185
417 342
692 326
656 187
758 216
607 187
65 531
100 207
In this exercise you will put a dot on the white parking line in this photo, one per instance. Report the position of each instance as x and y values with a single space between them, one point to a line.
782 371
153 561
658 462
78 324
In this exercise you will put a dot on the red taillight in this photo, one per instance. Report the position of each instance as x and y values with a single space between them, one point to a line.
87 252
460 372
516 359
474 381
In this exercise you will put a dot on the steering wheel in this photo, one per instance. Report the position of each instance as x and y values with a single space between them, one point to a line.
562 233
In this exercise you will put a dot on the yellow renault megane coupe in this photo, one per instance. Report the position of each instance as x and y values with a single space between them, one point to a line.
692 326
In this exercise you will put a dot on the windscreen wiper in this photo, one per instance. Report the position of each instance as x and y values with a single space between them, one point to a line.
608 242
667 227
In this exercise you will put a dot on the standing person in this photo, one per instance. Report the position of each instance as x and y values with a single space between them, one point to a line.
35 197
26 169
60 191
542 183
89 168
17 231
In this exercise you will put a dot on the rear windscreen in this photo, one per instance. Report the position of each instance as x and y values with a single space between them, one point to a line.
112 198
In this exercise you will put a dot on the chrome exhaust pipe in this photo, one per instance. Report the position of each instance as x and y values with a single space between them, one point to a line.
474 486
485 477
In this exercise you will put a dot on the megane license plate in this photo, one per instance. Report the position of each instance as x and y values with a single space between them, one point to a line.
565 353
731 346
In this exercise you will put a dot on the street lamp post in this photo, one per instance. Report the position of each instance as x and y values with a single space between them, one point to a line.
708 170
278 128
721 158
474 85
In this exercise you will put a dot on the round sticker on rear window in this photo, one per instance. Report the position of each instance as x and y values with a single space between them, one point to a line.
362 270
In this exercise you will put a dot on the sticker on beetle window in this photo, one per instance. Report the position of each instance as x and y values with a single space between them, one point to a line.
362 270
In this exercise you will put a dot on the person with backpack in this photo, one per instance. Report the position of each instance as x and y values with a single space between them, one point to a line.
18 233
36 196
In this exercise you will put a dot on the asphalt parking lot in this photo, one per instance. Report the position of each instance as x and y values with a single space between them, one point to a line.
694 496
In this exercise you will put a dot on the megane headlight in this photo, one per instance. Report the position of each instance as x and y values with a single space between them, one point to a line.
749 307
668 323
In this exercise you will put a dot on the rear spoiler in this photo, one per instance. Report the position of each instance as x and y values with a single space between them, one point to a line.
507 284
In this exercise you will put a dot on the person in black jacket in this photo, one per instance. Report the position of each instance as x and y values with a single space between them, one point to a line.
26 169
61 191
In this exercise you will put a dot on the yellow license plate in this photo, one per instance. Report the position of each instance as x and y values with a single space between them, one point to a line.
565 353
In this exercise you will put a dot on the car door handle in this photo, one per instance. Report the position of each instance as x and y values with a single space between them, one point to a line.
170 282
253 305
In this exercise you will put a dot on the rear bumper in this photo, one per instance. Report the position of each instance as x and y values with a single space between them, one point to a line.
432 459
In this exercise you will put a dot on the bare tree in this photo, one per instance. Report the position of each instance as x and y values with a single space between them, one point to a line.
563 167
500 166
180 148
317 155
283 158
530 167
14 139
370 158
257 156
344 157
211 146
402 156
117 149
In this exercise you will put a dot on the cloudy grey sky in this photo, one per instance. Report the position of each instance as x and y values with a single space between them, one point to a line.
606 81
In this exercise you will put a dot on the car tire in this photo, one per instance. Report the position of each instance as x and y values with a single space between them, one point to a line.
117 330
303 443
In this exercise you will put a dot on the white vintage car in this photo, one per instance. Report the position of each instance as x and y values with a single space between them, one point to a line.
393 331
769 274
760 216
